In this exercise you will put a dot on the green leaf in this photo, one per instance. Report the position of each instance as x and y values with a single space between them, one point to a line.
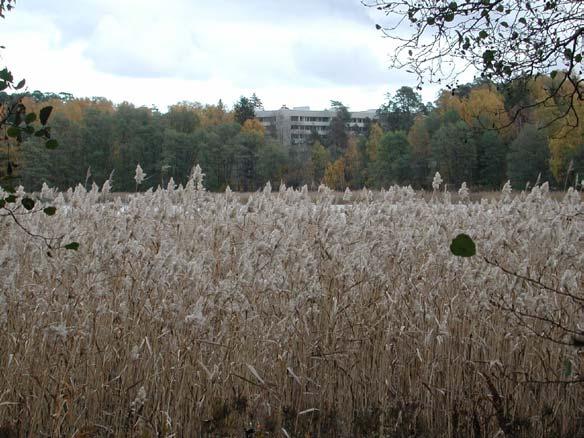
453 6
50 211
483 34
73 246
10 199
52 144
5 75
553 74
30 118
430 21
488 56
28 203
463 246
41 132
9 189
44 114
29 129
20 84
13 132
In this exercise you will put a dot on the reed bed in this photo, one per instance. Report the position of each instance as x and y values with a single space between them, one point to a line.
190 314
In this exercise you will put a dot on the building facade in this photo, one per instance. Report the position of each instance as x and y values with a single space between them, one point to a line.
294 126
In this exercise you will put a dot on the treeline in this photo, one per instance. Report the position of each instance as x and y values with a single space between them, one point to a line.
480 134
99 140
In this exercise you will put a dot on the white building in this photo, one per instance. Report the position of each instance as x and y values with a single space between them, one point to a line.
293 126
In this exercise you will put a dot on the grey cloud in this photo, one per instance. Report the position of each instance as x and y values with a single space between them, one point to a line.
287 11
74 19
341 65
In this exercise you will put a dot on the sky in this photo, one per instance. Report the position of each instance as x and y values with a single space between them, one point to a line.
152 52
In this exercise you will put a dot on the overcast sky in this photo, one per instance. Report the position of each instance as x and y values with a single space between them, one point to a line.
152 52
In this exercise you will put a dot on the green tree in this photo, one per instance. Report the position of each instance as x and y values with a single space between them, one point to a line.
319 159
393 159
338 138
401 109
492 160
271 162
243 110
454 153
183 117
528 157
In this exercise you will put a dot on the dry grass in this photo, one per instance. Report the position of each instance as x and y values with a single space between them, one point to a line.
190 314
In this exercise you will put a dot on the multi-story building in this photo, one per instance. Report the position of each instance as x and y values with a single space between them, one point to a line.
293 126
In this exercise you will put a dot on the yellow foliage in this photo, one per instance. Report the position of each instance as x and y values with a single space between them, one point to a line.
375 134
483 107
72 109
419 138
334 175
254 126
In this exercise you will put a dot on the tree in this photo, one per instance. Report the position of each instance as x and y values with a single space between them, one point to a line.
393 159
492 152
419 140
319 160
338 139
528 157
399 112
243 110
334 175
502 39
454 153
254 125
183 117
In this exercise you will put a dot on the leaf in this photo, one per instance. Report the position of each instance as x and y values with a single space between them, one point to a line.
463 246
9 189
50 211
20 84
44 114
52 144
30 118
73 246
10 199
27 203
5 75
13 132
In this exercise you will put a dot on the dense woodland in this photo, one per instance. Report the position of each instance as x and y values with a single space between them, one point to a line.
481 134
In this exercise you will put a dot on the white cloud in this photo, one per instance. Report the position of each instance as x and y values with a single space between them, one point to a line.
296 53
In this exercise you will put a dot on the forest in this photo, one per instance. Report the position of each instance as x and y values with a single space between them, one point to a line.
480 134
